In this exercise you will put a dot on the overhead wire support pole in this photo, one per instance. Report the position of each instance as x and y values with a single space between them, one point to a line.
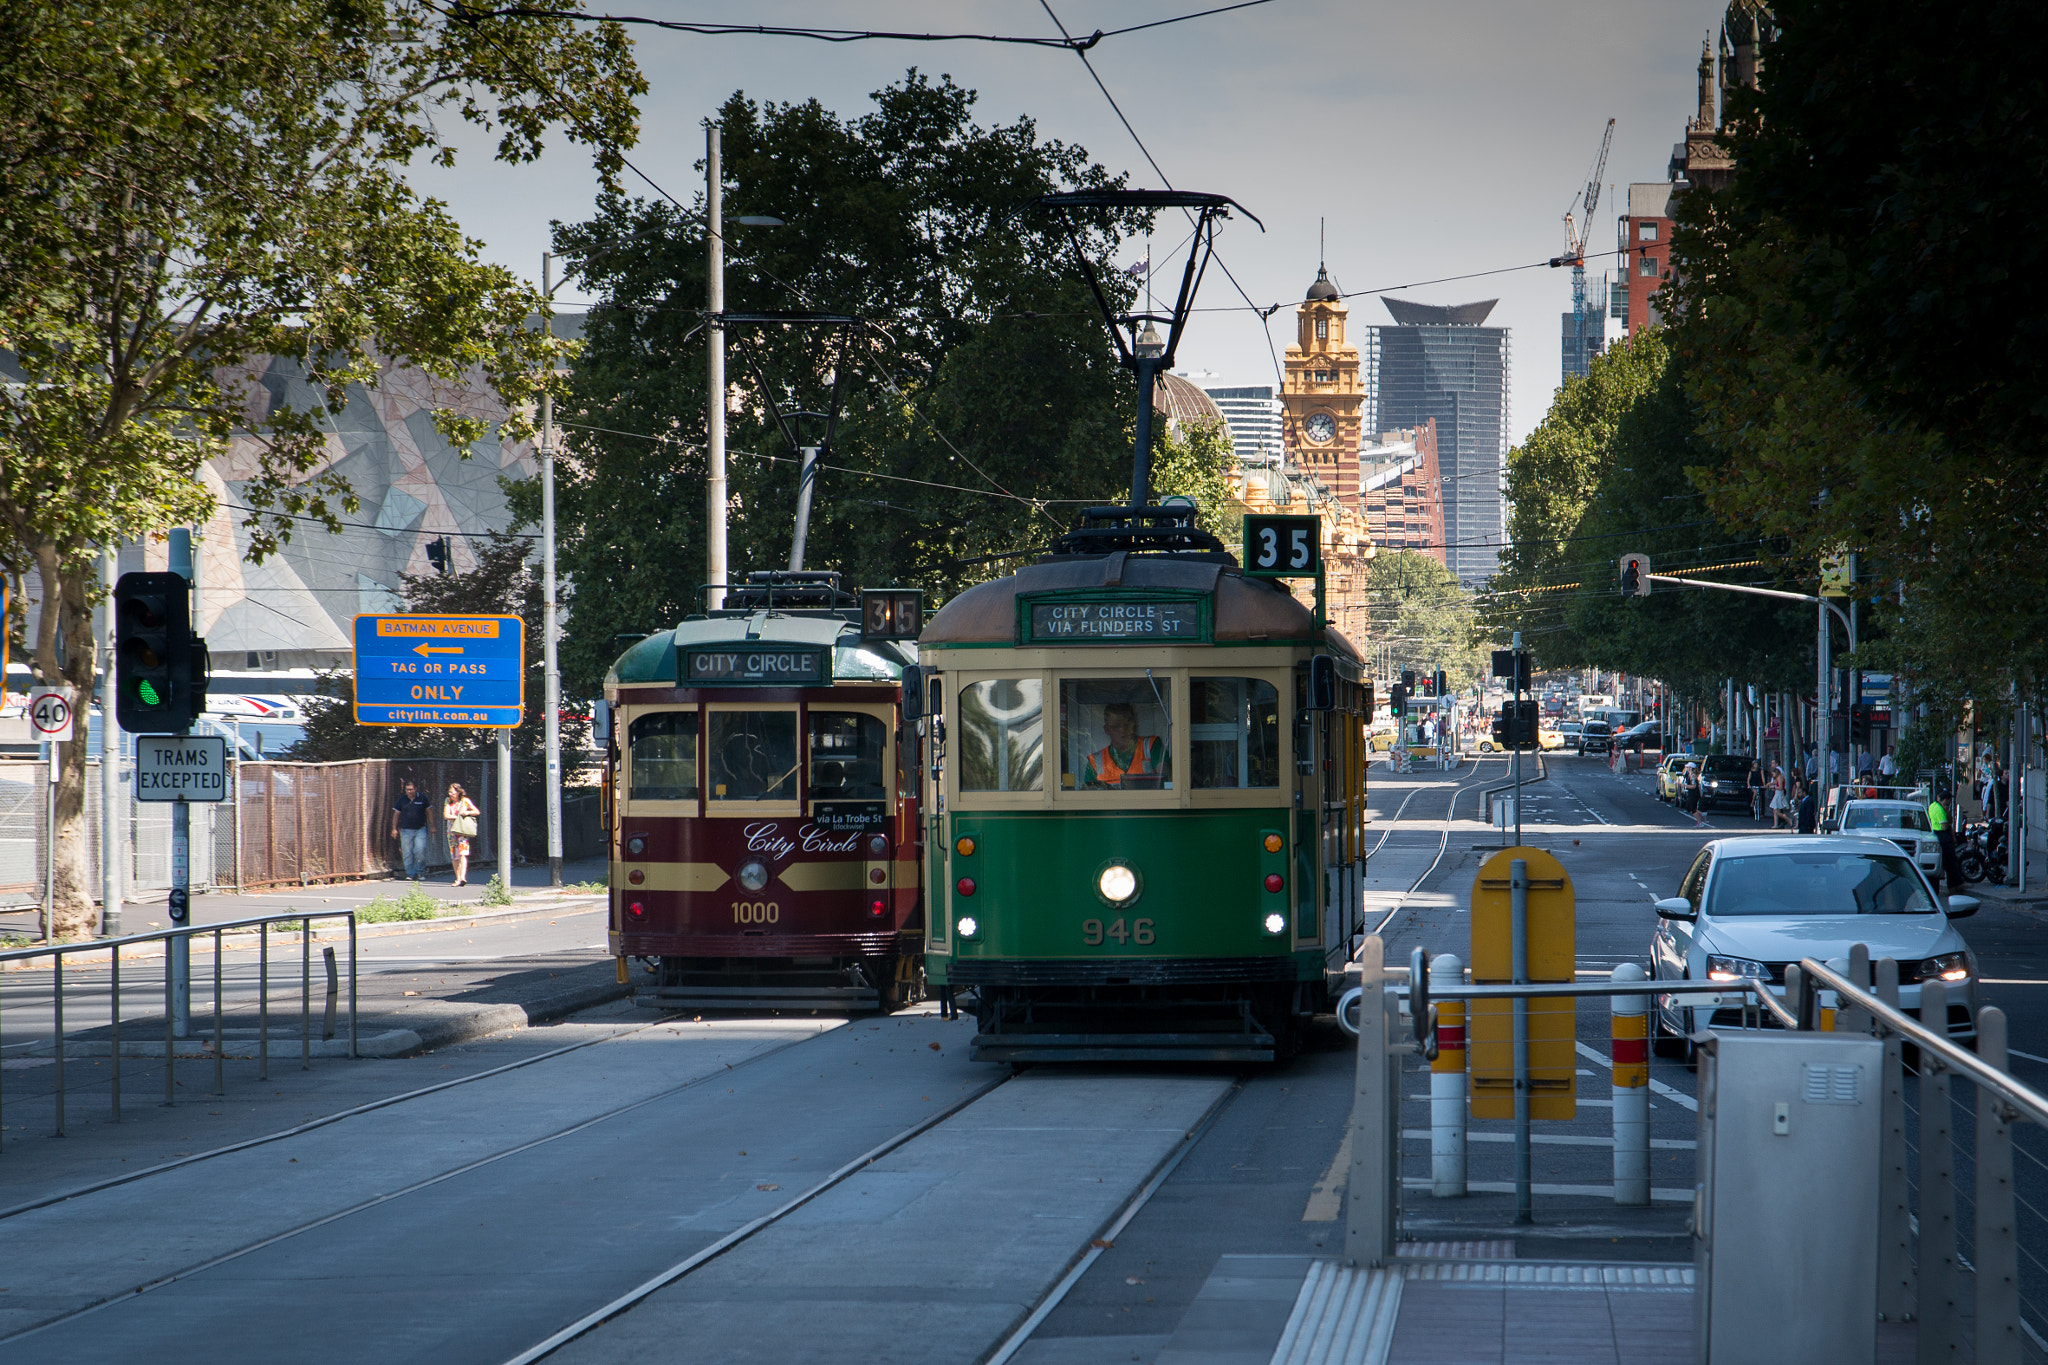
553 688
714 395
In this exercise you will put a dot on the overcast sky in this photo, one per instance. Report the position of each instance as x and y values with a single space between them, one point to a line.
1438 139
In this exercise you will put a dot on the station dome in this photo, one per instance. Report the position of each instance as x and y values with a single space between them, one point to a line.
1322 291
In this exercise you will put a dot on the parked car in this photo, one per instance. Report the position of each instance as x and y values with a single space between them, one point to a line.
1668 773
1751 907
1596 737
1904 823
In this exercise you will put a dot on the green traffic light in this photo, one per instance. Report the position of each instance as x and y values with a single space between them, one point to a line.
150 696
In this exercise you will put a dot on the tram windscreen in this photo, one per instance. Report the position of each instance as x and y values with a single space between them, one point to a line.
1116 734
1233 732
664 757
751 755
1001 735
847 756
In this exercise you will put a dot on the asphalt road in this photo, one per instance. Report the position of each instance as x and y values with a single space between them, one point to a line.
466 1224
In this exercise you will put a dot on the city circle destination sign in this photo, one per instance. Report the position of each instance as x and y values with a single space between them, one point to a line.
1087 622
440 670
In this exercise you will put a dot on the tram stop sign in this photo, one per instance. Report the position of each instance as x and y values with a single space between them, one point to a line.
1553 956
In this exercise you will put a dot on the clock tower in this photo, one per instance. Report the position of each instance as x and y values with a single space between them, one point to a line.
1322 395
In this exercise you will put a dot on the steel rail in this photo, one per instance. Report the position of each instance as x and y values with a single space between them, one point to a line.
1442 846
2028 1102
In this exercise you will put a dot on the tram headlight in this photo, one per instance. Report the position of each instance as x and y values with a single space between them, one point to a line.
753 874
968 926
637 845
1117 883
1276 923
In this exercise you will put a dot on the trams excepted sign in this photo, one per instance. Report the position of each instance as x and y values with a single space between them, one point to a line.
439 670
181 768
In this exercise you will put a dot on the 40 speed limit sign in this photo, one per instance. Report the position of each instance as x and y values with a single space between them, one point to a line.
51 715
1283 546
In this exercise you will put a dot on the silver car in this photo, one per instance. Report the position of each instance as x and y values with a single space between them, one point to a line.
1753 907
1905 823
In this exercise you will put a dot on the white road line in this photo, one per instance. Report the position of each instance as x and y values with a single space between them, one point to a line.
1675 1096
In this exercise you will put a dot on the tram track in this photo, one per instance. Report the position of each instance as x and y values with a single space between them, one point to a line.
1472 783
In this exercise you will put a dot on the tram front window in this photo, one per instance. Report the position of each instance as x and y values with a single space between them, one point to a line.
1234 732
1115 734
847 751
751 755
664 757
1001 730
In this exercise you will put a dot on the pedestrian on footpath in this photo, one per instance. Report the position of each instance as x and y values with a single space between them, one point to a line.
1689 792
1781 805
1755 780
1888 766
1809 809
459 814
409 827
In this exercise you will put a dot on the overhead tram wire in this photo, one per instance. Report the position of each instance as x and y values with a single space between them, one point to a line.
840 35
1221 264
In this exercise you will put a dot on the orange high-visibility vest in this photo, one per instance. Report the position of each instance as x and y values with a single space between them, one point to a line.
1107 769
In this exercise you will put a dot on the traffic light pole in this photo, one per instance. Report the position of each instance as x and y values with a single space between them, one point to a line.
1515 736
180 948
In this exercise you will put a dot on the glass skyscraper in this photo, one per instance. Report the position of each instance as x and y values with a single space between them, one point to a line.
1438 362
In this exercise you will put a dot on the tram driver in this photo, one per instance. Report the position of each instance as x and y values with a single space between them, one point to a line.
1129 759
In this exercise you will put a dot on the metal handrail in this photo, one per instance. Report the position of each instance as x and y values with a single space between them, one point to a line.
2030 1103
1748 985
93 945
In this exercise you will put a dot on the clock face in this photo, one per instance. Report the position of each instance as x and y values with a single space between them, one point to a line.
1322 428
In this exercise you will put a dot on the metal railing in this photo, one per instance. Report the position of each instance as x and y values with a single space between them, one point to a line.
111 949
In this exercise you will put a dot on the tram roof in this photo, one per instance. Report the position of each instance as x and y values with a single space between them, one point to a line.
1246 610
653 660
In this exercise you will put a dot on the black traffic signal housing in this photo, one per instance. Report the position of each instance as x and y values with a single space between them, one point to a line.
1408 681
1515 726
1443 684
153 643
437 554
1635 575
1397 703
1859 724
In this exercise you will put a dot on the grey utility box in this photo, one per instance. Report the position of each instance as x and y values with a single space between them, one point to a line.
1785 1214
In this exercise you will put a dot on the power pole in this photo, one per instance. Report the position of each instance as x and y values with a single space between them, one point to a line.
714 398
180 908
547 628
113 839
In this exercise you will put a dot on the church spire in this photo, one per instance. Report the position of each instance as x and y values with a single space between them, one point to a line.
1706 115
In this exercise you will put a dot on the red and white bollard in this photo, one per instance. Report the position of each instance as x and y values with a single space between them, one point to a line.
1447 1085
1631 1059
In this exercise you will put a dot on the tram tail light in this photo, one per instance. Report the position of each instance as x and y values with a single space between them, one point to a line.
637 909
965 886
1274 882
877 905
636 876
877 875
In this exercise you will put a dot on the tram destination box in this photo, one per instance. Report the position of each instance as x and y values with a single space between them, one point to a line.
716 664
850 816
1087 622
181 768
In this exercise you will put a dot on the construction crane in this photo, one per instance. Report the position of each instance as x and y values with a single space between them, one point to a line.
1575 249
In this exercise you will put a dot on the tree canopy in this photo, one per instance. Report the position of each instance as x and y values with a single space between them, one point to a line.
981 405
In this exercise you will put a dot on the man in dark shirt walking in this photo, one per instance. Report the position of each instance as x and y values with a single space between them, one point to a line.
409 827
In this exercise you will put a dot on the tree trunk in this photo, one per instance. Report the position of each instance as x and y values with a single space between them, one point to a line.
67 613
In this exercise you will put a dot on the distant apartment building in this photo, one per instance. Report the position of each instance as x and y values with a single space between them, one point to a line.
1252 413
1402 491
1440 365
1645 248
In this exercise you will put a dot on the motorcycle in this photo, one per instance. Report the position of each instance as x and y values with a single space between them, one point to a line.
1981 853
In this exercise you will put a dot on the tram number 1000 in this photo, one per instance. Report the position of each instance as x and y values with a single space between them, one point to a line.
755 912
1092 932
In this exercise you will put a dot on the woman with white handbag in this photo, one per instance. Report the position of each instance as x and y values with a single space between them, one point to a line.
460 813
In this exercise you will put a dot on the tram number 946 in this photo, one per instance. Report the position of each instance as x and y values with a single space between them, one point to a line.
1138 931
755 912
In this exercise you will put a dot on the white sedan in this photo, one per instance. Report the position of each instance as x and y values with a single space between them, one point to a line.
1905 823
1753 907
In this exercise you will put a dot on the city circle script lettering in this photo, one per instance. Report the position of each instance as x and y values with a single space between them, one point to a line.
755 665
1115 621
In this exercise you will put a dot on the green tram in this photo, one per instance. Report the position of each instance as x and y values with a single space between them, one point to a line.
1144 792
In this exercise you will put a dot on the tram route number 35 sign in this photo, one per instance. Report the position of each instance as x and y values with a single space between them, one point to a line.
181 768
1283 546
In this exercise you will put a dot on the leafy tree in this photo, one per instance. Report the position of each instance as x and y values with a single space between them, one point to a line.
1418 607
980 402
1194 460
1861 313
185 190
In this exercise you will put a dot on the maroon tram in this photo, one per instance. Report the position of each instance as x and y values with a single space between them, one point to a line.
763 817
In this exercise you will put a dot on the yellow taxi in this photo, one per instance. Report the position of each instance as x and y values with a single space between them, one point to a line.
1549 737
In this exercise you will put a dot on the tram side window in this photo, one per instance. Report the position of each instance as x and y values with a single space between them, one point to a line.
665 756
1116 734
1234 732
848 753
999 735
751 755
